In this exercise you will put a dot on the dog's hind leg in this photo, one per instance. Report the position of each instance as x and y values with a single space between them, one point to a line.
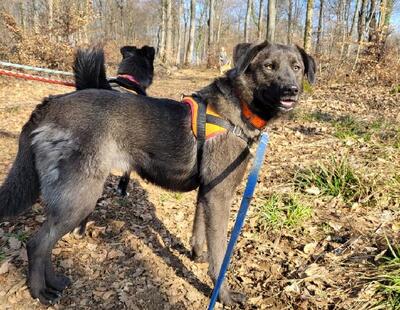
123 184
198 240
67 205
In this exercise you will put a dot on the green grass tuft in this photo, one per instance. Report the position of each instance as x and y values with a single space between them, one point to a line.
22 236
283 211
395 90
347 127
389 279
335 178
307 87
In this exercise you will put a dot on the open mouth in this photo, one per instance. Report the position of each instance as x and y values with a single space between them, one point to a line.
287 104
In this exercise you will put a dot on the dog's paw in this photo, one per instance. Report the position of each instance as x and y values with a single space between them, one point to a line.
47 296
199 258
122 192
230 298
79 232
59 282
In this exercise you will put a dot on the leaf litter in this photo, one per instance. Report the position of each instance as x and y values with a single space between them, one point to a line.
135 253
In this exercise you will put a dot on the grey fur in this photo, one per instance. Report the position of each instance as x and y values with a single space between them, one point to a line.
81 136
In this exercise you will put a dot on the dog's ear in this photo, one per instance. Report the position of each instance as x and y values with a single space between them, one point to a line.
239 51
149 52
310 66
244 53
128 51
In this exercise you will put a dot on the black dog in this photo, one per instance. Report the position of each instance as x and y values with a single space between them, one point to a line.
71 142
135 74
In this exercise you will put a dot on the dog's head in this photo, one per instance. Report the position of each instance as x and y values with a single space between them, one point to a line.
269 77
138 62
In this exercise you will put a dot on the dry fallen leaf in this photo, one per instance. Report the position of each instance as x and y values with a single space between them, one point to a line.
4 267
14 243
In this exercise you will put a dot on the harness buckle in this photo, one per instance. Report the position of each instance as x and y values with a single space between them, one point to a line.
237 131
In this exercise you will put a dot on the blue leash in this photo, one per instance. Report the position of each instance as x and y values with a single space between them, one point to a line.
244 206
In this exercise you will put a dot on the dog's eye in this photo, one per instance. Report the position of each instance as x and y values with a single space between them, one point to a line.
296 67
269 66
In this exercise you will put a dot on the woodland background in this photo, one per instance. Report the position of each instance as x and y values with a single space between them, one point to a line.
343 34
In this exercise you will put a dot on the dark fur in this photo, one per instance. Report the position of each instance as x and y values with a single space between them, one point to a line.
81 136
90 72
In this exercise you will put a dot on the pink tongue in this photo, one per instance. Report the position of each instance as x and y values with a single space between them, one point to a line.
287 104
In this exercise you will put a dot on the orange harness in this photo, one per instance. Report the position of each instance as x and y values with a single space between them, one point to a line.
211 129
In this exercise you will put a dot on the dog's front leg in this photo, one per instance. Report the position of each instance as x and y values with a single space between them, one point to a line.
223 168
217 207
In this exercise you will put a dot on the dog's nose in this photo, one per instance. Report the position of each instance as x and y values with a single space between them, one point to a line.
290 90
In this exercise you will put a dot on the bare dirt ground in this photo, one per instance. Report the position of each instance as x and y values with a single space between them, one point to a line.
303 246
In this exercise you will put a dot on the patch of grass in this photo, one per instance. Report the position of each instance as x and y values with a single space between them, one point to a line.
335 178
170 196
307 87
283 211
22 236
348 127
389 278
395 90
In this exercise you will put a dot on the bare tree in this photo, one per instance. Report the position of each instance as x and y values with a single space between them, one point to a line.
210 45
247 20
290 22
168 33
320 26
179 14
271 20
190 48
361 20
308 26
162 31
260 19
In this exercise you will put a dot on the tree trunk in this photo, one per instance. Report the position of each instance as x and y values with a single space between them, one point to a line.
168 32
352 28
271 20
308 26
50 14
179 30
361 20
320 25
353 21
290 22
35 16
161 41
260 19
247 20
190 48
210 45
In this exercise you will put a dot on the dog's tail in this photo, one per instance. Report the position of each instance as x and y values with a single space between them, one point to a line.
90 70
21 187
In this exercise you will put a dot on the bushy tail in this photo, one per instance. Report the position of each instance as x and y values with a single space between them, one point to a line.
21 188
90 70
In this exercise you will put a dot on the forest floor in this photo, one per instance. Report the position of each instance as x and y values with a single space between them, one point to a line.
323 231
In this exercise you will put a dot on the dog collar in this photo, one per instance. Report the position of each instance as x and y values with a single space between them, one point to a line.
129 83
128 77
252 118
